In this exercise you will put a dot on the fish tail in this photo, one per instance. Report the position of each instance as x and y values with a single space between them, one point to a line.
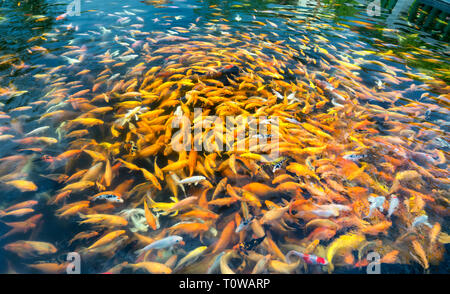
152 203
83 216
121 121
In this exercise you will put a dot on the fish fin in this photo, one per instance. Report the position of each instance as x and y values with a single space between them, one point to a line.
164 213
139 252
152 203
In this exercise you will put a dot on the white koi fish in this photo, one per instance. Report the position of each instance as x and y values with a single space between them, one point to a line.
339 207
192 180
421 220
376 203
323 213
393 204
128 57
354 157
163 243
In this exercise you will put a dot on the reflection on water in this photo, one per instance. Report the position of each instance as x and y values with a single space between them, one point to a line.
87 102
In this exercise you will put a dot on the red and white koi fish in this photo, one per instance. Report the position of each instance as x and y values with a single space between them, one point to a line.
308 258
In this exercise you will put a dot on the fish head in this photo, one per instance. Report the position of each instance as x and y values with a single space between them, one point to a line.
178 240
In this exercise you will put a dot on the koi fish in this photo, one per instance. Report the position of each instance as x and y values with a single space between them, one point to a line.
191 257
375 203
244 224
393 204
30 249
191 180
163 243
308 258
216 263
354 157
421 220
108 196
249 245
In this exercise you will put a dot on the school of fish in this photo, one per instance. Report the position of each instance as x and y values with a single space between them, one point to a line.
359 168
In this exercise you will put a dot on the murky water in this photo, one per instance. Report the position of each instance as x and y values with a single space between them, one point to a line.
106 84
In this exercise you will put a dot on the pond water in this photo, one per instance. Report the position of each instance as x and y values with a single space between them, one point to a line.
87 105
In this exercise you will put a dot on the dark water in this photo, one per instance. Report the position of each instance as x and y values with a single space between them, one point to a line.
338 28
